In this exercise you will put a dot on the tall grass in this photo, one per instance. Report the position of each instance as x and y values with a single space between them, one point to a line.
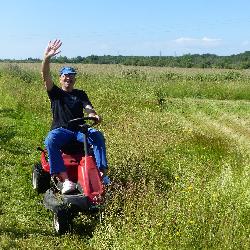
178 149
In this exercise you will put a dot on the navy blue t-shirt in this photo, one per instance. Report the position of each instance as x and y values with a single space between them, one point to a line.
66 106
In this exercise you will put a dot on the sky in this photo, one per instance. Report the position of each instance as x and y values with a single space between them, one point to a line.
128 27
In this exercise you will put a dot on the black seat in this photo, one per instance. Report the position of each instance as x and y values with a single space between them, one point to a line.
74 147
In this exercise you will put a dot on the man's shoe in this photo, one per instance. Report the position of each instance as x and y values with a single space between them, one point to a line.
68 186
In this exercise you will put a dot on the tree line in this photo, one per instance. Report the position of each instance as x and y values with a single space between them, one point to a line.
238 61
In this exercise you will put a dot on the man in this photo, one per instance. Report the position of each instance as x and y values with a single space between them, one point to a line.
68 103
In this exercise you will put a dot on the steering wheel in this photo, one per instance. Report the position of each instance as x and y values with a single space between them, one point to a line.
81 124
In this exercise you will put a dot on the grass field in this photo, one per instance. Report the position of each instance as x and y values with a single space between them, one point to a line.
179 156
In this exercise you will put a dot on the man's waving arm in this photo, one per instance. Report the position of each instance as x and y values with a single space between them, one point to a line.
50 51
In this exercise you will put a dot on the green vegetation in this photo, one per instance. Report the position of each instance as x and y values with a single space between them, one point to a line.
179 151
239 61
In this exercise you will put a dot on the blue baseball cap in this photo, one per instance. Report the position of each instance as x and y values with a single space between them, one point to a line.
67 70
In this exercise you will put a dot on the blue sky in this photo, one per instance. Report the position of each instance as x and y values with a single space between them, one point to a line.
129 27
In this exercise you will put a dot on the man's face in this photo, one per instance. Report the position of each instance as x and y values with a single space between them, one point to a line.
67 81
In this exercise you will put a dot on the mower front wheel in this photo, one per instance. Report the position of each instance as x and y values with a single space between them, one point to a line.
62 222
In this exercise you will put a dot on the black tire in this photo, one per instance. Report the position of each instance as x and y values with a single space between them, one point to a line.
40 179
62 221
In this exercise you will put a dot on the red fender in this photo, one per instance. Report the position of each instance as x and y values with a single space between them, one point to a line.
90 179
44 162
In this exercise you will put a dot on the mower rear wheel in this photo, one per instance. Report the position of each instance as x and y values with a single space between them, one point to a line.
40 179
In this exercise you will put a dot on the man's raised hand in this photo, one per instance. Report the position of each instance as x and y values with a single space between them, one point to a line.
52 48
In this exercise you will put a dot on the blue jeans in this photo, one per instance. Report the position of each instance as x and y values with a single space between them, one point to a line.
58 137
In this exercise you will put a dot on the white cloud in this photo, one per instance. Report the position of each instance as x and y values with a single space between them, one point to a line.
194 42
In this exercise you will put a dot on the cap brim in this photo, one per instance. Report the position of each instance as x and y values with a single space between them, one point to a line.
68 73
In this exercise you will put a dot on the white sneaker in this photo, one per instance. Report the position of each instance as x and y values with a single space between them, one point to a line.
68 186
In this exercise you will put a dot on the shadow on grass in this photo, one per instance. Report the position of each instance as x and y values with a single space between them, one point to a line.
9 143
6 134
12 113
86 228
22 233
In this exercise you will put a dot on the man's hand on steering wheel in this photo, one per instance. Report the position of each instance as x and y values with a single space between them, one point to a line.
98 118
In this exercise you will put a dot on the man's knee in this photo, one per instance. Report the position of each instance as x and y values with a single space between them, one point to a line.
51 140
97 136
